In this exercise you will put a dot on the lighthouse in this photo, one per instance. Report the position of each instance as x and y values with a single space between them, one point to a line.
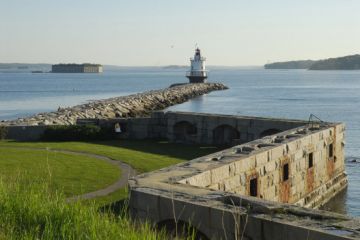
197 73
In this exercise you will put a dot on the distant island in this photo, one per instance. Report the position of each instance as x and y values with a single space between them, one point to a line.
351 62
77 68
303 64
175 67
24 67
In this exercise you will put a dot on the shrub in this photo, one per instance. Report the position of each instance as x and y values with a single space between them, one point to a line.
77 133
3 132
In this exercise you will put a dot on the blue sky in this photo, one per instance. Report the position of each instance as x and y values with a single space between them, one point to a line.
160 32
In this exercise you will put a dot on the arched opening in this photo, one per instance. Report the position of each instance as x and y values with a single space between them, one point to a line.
269 132
225 135
184 131
180 229
119 128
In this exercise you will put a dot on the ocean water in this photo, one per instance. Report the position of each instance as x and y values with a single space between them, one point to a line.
330 95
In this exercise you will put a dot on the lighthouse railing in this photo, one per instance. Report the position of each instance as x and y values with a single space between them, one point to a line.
202 59
202 73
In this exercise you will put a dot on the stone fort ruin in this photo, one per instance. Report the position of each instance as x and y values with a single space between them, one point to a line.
267 184
255 189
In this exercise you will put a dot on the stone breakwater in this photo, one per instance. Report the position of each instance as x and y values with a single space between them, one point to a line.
135 105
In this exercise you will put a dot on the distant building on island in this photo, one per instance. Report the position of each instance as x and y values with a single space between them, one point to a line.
77 68
197 73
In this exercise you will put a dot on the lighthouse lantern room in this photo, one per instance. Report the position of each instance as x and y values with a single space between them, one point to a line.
197 73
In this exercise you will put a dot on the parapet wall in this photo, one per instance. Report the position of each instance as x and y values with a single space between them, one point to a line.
201 128
25 133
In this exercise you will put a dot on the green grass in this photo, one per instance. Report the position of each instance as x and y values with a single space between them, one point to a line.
34 212
38 211
110 199
142 155
73 174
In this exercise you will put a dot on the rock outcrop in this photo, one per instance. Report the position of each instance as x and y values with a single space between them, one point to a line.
136 105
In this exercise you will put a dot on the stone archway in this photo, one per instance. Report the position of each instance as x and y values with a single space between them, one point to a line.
268 132
184 131
180 229
225 135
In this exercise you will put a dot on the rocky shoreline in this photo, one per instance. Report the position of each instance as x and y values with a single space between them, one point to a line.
135 105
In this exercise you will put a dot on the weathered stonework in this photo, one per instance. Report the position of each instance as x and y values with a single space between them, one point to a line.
306 182
203 128
136 105
245 191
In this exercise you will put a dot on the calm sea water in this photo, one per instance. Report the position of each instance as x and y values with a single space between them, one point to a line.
330 95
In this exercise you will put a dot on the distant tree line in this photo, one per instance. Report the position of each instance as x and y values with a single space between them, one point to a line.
303 64
351 62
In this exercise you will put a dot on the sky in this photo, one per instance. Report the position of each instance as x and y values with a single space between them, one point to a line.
165 32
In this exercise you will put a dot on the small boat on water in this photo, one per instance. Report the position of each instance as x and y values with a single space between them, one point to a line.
37 72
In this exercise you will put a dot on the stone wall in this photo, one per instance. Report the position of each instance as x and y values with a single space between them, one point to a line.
220 215
25 133
296 166
220 129
200 128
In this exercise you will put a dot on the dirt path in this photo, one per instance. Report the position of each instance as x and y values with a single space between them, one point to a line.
126 172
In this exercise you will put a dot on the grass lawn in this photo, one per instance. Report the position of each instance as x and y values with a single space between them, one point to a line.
32 213
143 155
79 174
73 174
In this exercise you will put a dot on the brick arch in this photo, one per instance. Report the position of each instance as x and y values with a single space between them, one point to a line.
269 132
184 131
225 135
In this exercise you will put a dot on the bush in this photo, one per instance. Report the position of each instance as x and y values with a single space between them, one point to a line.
3 132
77 133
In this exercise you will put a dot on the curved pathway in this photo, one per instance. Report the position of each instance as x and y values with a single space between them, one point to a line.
126 172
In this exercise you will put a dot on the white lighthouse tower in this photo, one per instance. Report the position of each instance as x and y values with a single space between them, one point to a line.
197 73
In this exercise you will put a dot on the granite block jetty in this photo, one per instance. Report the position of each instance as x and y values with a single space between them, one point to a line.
135 105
